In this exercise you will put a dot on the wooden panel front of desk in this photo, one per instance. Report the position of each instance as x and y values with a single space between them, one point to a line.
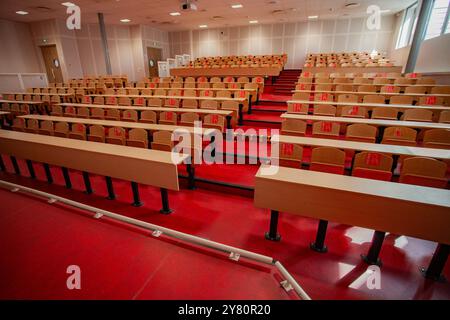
351 69
409 210
150 167
221 72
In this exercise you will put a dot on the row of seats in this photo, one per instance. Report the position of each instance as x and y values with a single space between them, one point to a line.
370 98
432 138
372 165
367 81
391 75
372 88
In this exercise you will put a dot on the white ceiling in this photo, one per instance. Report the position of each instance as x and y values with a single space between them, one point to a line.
156 12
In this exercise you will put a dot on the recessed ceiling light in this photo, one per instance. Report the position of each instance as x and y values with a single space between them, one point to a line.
385 11
237 6
253 21
203 26
175 14
313 17
125 20
68 4
22 12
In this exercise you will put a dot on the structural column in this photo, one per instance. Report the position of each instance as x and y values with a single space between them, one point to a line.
101 23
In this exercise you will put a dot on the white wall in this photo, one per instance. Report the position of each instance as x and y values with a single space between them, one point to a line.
295 39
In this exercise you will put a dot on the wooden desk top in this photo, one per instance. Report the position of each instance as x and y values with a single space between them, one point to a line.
376 122
40 93
3 113
442 154
410 210
164 88
379 85
377 105
123 162
21 102
249 71
167 97
375 93
110 123
183 110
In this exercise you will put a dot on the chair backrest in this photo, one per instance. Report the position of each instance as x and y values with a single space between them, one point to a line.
430 101
148 116
210 104
440 90
130 115
57 110
400 136
324 110
215 79
361 132
300 108
189 85
83 112
293 127
33 124
189 103
323 87
418 115
425 81
174 92
189 118
162 140
385 113
137 137
372 98
97 113
166 117
444 117
352 98
112 114
78 130
289 151
202 85
214 121
353 112
437 138
160 92
223 94
325 129
327 159
372 165
303 86
367 88
124 101
97 133
116 135
207 93
378 81
415 89
424 171
154 102
111 100
344 87
323 97
301 96
172 103
99 100
62 128
401 100
46 127
190 93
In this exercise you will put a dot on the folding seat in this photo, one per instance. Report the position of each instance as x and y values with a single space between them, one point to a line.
35 90
367 88
243 80
424 172
189 103
188 119
361 132
55 99
130 115
344 87
139 101
425 81
111 100
19 97
372 165
99 100
290 155
162 140
218 85
430 101
70 111
302 96
293 127
403 81
116 135
324 110
112 114
154 102
62 129
444 117
400 136
174 92
137 138
148 116
323 87
361 80
381 81
223 94
203 85
350 98
36 98
323 97
189 79
214 121
18 124
372 98
32 126
160 92
171 103
210 104
437 138
190 85
207 93
168 117
215 80
416 90
303 86
417 115
176 85
53 90
124 101
97 113
441 90
146 92
325 129
110 91
390 89
133 91
46 128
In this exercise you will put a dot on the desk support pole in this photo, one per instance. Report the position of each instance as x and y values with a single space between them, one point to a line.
228 122
375 248
437 263
110 187
319 244
66 175
165 202
48 173
241 116
272 234
15 165
31 169
2 164
191 176
136 199
87 183
249 111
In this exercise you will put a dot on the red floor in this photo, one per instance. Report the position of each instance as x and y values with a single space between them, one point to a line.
41 241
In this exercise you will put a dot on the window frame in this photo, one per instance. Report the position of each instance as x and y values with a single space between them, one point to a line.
409 35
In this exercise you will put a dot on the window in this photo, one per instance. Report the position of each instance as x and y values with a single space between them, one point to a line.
438 23
408 26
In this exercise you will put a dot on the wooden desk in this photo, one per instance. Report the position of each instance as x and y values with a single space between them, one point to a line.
386 94
409 210
108 123
150 167
373 105
63 96
239 100
441 154
226 113
351 69
375 122
211 72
